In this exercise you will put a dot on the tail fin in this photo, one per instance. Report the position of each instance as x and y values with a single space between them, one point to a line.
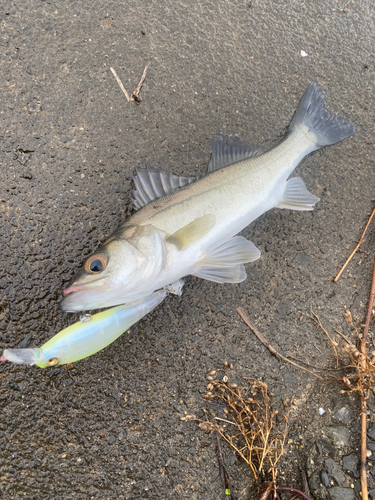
312 113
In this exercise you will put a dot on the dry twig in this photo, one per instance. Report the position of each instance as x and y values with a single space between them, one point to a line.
360 241
333 343
256 436
361 381
120 84
272 350
365 390
135 94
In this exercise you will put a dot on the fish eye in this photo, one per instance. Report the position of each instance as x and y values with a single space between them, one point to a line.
96 263
52 361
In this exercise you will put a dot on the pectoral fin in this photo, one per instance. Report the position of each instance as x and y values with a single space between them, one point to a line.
233 274
192 232
237 250
296 196
225 263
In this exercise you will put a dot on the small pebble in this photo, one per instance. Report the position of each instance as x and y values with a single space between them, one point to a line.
321 411
324 478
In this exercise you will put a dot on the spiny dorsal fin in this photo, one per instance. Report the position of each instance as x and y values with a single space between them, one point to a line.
228 149
153 183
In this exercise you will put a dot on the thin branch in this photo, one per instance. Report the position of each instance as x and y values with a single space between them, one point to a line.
226 421
361 240
315 318
273 351
293 490
370 306
364 357
135 94
313 366
348 341
120 84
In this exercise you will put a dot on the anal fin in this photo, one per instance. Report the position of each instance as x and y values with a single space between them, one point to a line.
296 196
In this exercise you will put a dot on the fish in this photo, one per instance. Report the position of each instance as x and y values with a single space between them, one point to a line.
86 337
189 225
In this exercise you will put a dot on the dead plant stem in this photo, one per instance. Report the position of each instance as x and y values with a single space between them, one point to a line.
360 241
272 350
363 394
370 306
315 318
120 84
135 94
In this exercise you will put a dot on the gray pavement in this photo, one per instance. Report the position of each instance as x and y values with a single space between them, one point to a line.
110 428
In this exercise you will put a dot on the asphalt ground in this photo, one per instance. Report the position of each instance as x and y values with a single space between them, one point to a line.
110 428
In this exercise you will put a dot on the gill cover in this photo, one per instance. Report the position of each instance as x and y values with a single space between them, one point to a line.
134 257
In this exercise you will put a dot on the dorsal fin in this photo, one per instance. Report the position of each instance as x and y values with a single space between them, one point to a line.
153 183
228 149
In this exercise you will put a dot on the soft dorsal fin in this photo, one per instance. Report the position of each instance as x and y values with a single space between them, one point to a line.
228 149
153 183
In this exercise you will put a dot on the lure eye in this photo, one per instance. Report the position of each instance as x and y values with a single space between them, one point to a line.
96 263
52 361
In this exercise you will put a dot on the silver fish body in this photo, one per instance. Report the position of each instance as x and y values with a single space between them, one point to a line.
191 229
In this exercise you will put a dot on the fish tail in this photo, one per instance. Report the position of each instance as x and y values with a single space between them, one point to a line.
312 113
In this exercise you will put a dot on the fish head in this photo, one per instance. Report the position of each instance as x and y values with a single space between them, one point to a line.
129 260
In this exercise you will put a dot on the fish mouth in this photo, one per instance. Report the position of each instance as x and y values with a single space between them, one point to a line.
81 297
72 289
78 285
